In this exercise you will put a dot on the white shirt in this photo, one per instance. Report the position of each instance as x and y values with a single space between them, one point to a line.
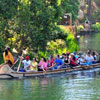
89 59
81 60
26 63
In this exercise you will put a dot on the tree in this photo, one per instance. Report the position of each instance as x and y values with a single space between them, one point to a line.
32 23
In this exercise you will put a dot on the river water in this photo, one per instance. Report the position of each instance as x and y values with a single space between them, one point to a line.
91 41
76 86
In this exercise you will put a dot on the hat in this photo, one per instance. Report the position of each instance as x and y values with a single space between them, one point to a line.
82 56
72 54
27 57
67 53
7 47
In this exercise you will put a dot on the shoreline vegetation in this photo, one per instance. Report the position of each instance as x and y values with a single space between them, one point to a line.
32 25
35 26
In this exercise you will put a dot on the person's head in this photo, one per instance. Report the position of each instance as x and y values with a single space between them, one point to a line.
82 56
72 54
67 54
57 56
44 59
89 51
50 57
6 52
7 47
34 59
63 55
27 58
93 53
89 54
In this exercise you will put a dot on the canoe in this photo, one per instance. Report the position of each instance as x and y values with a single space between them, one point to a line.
6 72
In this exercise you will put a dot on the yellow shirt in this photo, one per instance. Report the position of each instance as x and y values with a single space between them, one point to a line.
8 57
34 66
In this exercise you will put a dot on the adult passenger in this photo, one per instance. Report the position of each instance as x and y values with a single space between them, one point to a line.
26 63
73 60
42 66
58 62
51 61
33 65
89 58
82 60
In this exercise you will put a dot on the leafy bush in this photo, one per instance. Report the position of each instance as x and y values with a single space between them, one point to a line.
80 28
60 46
96 26
1 49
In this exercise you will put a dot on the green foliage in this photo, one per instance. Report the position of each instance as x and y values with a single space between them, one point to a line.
71 43
96 26
71 6
1 49
96 16
32 24
80 28
59 46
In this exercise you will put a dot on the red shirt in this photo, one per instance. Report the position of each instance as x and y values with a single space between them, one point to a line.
51 62
73 62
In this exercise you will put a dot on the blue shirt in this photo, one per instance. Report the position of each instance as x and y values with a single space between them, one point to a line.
58 62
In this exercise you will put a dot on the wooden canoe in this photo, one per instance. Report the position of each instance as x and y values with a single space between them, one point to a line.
6 72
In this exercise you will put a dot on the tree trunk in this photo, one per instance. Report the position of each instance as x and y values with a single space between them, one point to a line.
89 9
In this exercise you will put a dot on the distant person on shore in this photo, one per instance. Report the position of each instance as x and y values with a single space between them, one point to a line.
8 57
87 25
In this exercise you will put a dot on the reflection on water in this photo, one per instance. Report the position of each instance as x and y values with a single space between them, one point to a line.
91 41
76 86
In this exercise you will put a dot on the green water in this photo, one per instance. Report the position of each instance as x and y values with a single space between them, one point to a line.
77 86
91 41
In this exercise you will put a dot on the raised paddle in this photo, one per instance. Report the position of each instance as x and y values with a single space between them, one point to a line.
15 63
20 62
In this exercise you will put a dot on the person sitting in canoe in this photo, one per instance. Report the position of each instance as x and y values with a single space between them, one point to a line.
42 66
66 61
57 64
82 60
73 60
95 54
8 57
26 63
89 58
33 65
50 61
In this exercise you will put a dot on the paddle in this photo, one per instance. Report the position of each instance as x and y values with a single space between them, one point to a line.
20 62
15 63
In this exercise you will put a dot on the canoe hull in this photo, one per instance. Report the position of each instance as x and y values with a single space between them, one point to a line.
12 74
